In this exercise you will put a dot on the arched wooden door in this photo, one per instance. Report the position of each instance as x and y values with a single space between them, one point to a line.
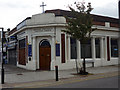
45 55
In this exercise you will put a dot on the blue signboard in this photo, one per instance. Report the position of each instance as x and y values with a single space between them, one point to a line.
12 36
29 50
57 49
115 49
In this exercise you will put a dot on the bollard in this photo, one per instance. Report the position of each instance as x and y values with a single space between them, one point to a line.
2 76
56 71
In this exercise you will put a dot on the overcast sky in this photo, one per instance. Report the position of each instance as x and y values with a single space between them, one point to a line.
12 12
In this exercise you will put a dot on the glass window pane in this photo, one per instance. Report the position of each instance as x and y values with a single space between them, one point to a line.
87 49
97 47
73 48
45 44
114 47
22 43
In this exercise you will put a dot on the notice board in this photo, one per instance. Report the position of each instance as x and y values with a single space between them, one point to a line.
57 49
29 50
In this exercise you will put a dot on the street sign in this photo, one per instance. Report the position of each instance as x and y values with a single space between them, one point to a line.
30 50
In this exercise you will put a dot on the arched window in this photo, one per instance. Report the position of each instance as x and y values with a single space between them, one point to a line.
44 43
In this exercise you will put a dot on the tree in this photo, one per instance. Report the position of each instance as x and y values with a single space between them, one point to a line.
80 25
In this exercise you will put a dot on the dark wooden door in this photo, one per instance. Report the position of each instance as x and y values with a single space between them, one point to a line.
22 56
45 58
22 52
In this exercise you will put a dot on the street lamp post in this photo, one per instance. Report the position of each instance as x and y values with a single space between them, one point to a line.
119 26
2 62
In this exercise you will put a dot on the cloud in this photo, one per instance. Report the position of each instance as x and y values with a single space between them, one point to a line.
13 12
110 9
13 5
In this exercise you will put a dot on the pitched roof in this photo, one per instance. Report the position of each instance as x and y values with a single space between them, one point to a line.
96 18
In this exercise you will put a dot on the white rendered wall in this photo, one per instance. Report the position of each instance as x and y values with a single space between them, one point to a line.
47 26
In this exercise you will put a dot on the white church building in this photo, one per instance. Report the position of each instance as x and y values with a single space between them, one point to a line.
42 44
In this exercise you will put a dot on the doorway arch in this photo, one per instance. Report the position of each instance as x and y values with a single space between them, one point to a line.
44 55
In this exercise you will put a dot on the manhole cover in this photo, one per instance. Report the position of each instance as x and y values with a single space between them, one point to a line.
19 74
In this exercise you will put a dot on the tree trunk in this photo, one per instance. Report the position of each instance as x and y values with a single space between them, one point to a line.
76 66
84 65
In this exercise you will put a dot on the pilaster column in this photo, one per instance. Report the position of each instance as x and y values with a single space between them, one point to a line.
78 50
93 48
53 54
69 50
34 49
105 41
32 65
79 54
53 49
101 50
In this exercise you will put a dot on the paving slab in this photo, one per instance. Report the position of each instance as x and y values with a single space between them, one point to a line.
17 75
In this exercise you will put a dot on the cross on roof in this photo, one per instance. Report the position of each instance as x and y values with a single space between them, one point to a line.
43 5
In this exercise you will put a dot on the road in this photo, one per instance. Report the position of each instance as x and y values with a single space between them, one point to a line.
109 82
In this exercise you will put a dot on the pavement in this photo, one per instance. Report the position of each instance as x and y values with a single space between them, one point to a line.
16 77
